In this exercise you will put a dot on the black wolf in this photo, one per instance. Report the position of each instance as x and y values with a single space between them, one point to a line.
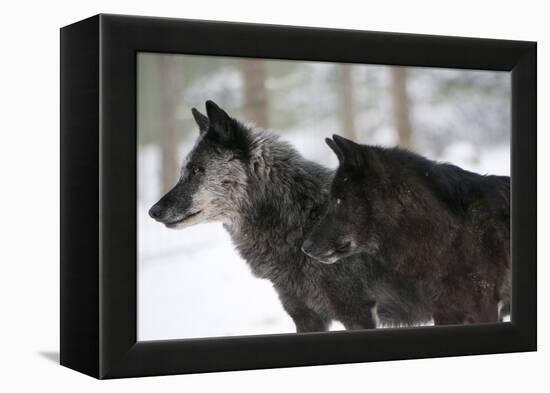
437 226
268 197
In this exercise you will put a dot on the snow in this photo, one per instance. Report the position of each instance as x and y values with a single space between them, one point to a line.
495 161
198 286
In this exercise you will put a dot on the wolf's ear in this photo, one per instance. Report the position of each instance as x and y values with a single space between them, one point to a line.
362 157
219 122
351 153
334 148
201 120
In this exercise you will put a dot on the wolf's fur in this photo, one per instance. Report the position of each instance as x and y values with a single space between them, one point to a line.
267 197
441 228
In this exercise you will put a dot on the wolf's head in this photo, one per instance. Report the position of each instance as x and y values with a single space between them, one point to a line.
349 224
213 176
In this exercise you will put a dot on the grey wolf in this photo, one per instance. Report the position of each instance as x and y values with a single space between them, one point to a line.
443 229
267 196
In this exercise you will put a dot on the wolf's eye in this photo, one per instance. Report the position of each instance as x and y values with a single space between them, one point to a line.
192 169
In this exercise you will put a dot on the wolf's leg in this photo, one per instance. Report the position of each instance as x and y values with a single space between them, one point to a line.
305 319
504 307
503 310
446 316
487 312
482 313
367 318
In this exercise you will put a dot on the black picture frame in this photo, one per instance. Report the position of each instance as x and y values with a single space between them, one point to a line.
98 196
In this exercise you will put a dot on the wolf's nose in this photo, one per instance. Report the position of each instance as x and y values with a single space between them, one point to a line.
155 212
306 246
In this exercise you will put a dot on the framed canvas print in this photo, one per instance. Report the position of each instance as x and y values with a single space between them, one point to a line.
240 196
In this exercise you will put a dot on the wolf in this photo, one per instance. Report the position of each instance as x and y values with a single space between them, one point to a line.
267 196
442 228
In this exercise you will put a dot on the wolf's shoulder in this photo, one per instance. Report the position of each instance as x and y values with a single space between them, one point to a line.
456 187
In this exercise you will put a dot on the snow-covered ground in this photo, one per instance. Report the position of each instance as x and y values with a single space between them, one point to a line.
196 285
192 282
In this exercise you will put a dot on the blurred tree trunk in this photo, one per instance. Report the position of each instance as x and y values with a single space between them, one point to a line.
347 101
168 76
401 107
255 105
